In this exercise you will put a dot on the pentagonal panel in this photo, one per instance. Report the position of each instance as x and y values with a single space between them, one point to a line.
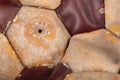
38 73
60 71
8 10
82 15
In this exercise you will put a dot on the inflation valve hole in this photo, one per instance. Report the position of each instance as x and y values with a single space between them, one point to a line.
39 30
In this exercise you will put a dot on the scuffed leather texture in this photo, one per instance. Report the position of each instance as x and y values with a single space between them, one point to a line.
82 15
8 9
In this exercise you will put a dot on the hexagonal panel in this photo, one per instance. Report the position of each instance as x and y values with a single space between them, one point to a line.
38 36
92 76
49 4
8 9
10 65
112 11
94 51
